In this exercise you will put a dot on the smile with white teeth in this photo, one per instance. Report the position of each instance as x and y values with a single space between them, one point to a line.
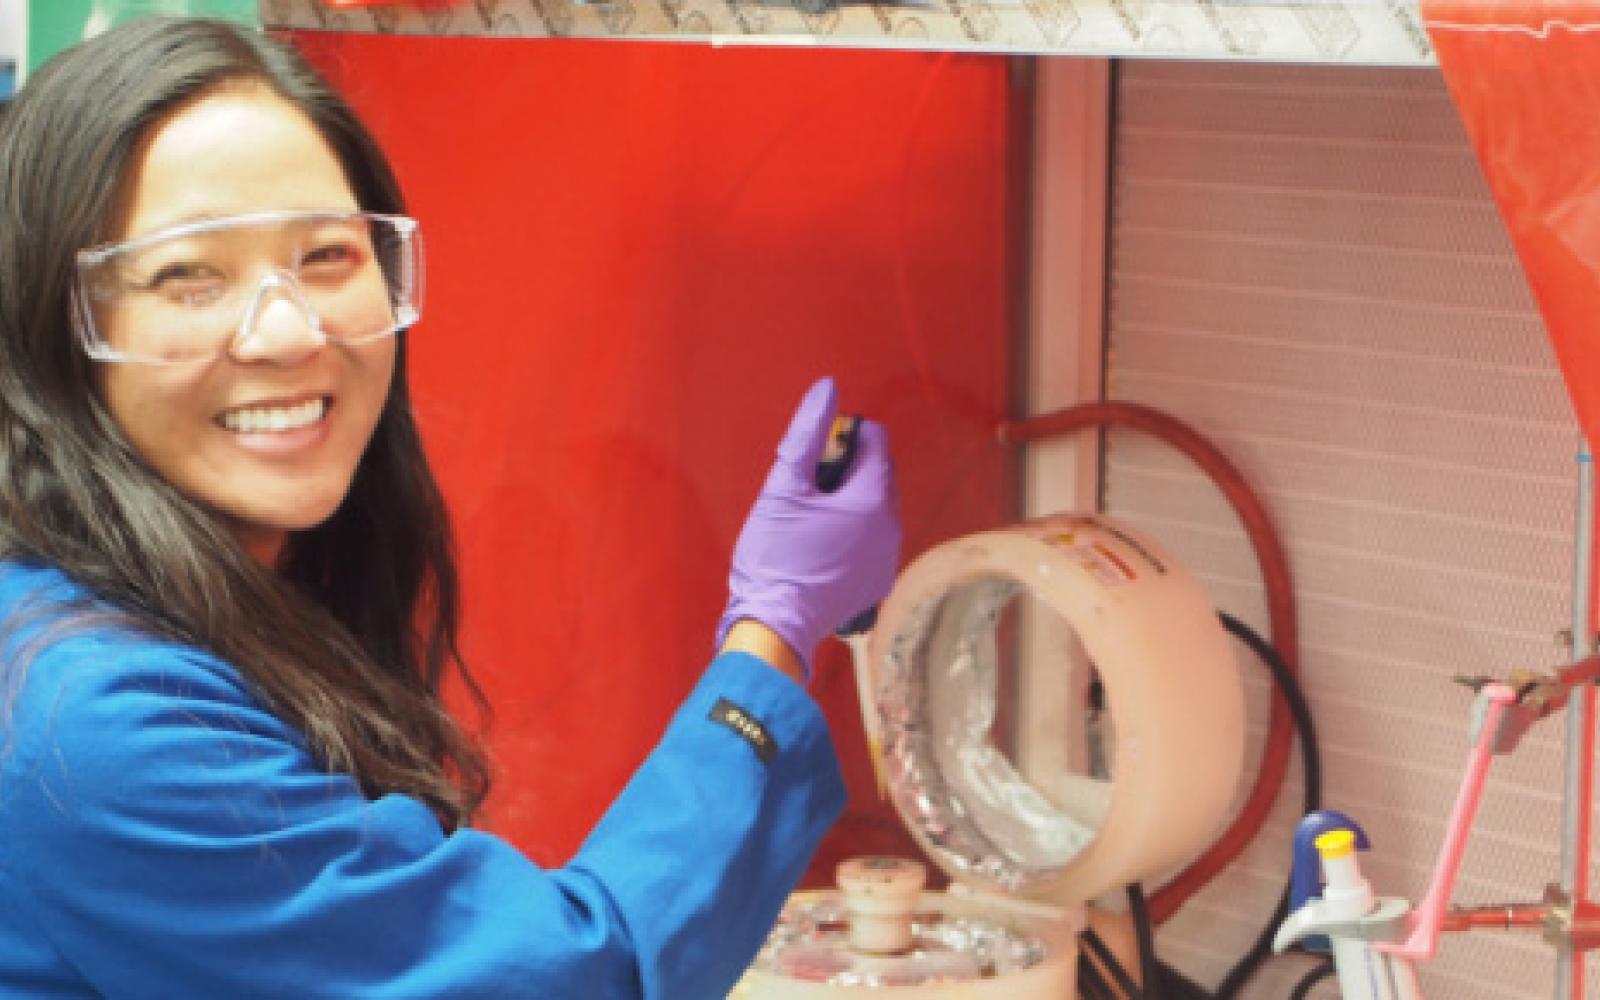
269 419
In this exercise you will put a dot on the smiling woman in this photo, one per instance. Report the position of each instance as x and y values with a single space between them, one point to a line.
234 434
228 600
154 124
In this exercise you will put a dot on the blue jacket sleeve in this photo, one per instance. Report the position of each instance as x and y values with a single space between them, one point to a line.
171 838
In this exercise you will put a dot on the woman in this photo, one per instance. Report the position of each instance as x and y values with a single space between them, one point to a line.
229 602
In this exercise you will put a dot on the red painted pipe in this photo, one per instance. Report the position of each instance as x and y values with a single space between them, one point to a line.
1511 916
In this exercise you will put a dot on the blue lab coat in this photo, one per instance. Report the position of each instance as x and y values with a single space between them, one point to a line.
164 836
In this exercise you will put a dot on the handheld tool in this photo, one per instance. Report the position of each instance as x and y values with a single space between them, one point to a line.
837 457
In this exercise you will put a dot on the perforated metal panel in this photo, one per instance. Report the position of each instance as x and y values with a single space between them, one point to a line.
1307 266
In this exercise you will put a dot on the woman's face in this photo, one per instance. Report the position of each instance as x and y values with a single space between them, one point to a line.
269 434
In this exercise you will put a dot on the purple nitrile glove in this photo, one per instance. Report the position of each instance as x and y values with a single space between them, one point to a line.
808 561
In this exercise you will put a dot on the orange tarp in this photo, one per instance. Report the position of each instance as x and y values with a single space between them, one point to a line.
1525 77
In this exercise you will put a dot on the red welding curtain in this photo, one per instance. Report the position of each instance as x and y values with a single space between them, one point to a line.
638 257
1525 76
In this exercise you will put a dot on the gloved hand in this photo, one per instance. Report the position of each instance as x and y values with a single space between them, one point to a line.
808 561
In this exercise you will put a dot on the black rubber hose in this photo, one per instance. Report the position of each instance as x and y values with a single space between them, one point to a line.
1091 984
1176 986
1302 989
1144 932
1108 961
1300 712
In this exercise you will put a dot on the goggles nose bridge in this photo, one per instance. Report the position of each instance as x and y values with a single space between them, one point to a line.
290 294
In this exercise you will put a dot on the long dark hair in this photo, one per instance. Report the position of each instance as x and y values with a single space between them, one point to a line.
352 638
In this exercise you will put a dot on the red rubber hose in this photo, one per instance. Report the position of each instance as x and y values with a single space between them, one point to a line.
1274 567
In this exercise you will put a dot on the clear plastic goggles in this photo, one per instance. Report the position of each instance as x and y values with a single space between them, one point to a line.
195 292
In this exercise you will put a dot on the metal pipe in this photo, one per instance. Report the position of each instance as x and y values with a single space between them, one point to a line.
1582 928
1500 917
1580 724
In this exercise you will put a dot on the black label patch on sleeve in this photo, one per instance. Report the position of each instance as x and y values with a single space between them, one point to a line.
748 729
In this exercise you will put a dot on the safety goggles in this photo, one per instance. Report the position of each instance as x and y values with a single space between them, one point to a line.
196 291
